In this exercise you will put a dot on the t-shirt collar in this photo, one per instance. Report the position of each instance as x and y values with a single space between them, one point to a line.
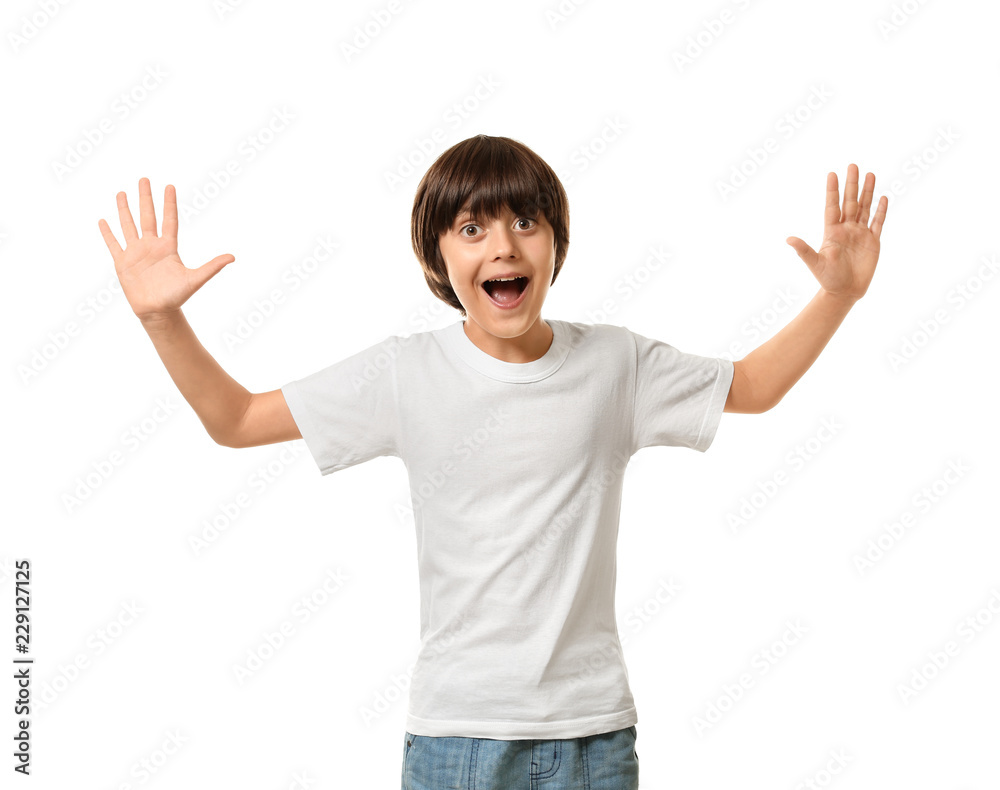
547 364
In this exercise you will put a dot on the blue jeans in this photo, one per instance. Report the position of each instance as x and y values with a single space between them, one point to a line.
597 762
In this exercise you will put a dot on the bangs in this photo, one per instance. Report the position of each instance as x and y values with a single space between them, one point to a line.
484 182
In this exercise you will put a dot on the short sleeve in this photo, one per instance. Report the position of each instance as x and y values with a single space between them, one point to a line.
679 397
347 412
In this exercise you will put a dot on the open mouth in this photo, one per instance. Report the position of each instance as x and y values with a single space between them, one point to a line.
506 293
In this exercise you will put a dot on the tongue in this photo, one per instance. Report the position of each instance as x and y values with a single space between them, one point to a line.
505 292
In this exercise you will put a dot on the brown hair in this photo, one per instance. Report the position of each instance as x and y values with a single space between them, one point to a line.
484 174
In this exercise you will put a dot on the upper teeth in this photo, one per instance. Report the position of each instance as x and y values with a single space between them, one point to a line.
503 279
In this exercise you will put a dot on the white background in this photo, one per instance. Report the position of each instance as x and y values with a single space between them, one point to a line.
642 141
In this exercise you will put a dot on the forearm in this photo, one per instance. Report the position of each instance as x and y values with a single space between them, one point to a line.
219 401
776 365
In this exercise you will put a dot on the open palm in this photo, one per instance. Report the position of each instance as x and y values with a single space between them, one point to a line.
153 278
845 262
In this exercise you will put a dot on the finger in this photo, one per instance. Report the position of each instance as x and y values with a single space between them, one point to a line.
832 214
850 213
805 252
883 205
170 212
866 198
128 226
109 238
147 214
207 271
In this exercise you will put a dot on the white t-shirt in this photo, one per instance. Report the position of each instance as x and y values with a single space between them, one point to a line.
515 474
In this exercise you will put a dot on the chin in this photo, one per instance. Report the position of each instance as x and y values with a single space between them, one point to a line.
508 326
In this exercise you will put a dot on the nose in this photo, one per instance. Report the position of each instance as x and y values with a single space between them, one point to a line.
503 242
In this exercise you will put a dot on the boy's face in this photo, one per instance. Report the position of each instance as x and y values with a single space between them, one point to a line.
475 251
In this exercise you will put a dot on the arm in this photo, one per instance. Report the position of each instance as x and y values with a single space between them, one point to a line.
844 267
156 283
233 416
766 374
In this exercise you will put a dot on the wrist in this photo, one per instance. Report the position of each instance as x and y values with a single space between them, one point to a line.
157 322
846 301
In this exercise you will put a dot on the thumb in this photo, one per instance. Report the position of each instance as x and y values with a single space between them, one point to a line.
207 271
805 252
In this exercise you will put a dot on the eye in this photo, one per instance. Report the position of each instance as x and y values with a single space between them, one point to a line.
464 228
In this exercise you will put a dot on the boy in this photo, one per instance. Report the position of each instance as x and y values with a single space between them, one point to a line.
515 432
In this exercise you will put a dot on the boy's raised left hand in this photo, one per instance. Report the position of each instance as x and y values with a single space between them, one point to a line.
846 260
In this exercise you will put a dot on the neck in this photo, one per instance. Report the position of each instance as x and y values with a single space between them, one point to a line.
527 347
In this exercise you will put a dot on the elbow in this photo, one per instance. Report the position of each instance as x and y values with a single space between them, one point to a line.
227 439
746 395
765 401
233 433
767 406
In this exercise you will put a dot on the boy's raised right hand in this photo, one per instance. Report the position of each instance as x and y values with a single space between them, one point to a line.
153 278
